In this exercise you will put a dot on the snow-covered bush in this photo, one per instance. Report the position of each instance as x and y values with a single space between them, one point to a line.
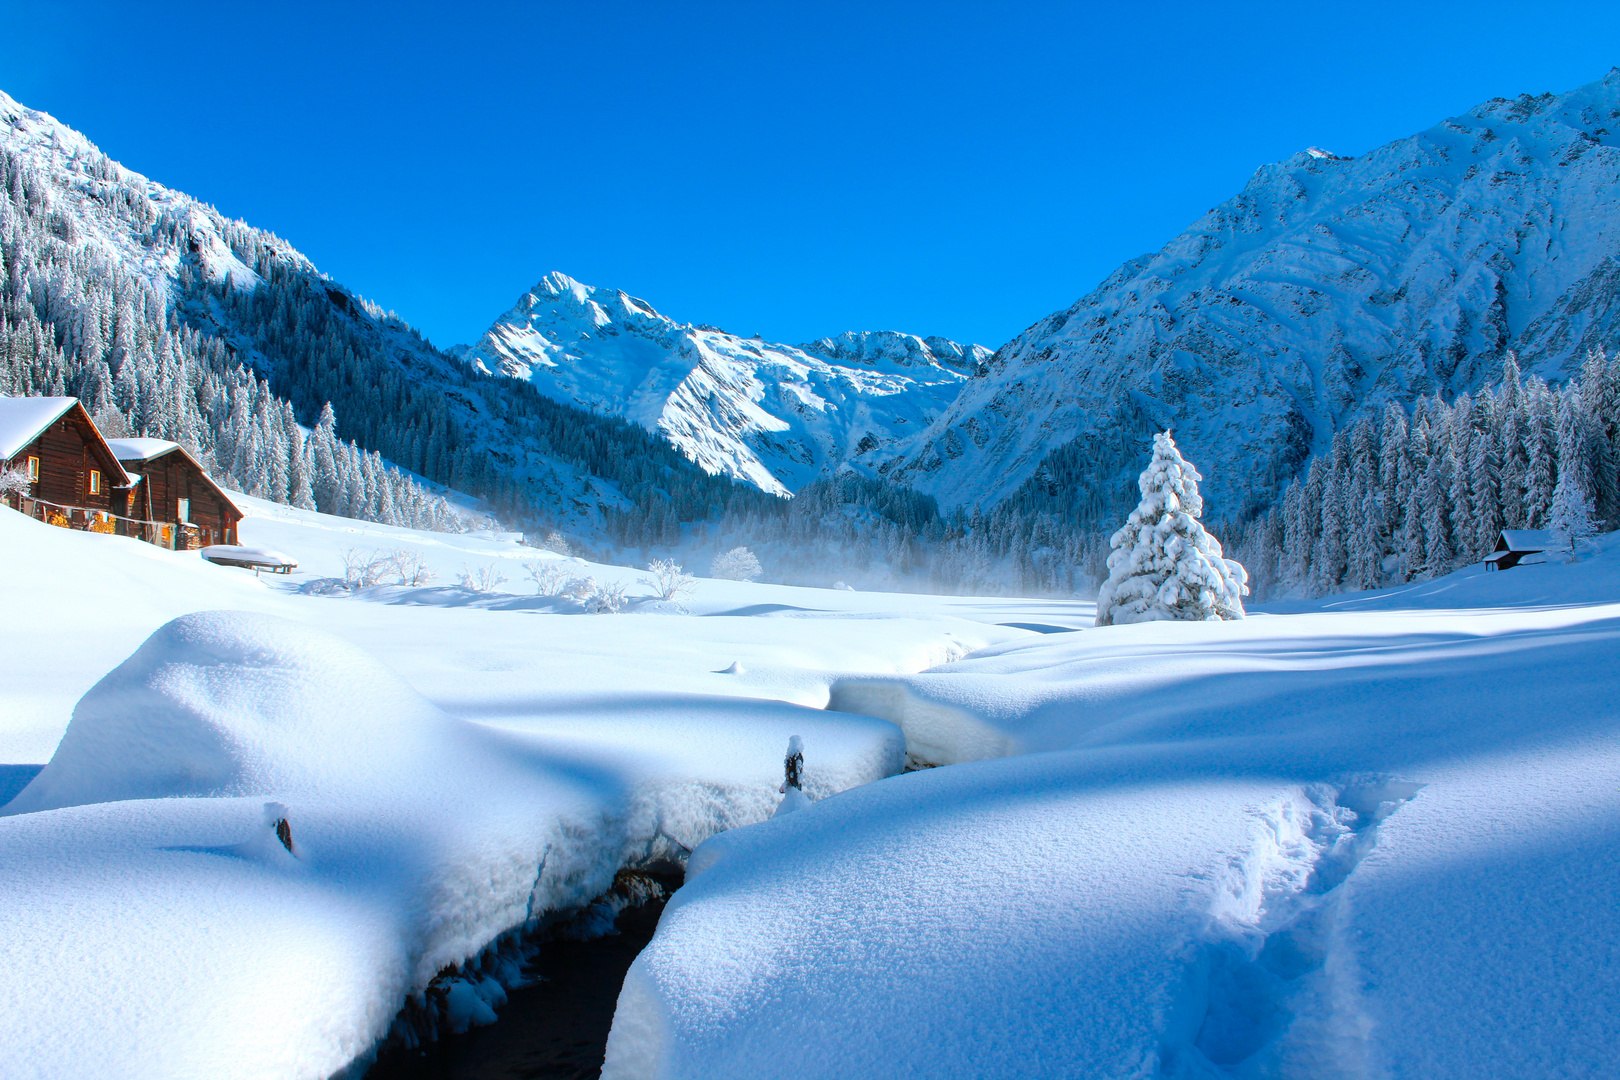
668 581
605 599
555 541
14 482
1164 565
486 578
401 566
738 564
549 578
360 568
578 588
405 567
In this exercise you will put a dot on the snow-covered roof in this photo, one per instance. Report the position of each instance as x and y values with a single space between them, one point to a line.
23 418
139 449
1528 540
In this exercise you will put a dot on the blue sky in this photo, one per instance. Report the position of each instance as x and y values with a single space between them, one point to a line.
786 169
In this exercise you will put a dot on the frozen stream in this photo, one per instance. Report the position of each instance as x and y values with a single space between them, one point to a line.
554 1029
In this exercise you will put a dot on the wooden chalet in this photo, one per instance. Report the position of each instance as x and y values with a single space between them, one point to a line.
146 488
1514 544
74 477
172 494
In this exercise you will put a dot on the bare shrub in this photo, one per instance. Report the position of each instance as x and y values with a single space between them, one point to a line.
486 578
549 578
363 569
555 541
668 581
15 482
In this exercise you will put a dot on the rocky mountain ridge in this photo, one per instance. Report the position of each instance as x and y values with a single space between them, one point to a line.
776 416
1327 288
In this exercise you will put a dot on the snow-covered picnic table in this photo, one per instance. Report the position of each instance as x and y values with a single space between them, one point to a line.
251 557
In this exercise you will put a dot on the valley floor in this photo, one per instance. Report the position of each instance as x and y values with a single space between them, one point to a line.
1372 836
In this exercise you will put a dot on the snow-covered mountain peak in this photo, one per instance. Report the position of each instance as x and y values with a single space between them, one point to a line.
776 416
101 198
1325 288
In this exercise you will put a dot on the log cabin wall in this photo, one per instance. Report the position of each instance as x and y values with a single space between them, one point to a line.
67 455
170 477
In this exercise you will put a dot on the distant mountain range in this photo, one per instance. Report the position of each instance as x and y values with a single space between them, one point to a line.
775 416
1327 288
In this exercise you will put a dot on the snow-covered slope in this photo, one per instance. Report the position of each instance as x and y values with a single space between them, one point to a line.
99 199
1328 285
776 416
1338 844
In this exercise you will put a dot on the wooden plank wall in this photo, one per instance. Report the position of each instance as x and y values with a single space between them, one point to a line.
65 460
169 478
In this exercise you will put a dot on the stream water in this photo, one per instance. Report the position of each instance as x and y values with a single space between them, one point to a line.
556 1029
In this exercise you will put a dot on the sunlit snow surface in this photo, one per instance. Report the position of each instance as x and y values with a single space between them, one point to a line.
451 762
1376 839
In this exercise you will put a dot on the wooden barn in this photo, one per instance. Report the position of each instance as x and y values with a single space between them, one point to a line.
75 478
173 496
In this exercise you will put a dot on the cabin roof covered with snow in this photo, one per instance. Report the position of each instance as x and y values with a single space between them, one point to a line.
152 449
1526 541
140 449
23 419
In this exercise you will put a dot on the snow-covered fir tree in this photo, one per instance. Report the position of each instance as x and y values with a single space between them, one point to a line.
1516 454
1164 565
1571 517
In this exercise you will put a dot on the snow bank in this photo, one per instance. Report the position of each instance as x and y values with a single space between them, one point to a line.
143 884
234 703
1326 845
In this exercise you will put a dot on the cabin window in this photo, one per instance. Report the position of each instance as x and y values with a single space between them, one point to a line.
33 468
184 509
95 482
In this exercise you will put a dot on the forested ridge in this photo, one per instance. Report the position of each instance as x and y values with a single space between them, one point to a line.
173 322
170 321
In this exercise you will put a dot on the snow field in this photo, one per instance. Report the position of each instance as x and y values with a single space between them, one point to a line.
1370 844
449 774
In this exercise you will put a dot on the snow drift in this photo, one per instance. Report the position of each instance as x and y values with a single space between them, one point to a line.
1323 845
255 841
232 703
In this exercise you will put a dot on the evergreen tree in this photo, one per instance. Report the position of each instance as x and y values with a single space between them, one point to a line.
1164 565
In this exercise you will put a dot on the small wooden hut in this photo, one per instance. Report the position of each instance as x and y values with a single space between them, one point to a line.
1514 544
75 479
185 509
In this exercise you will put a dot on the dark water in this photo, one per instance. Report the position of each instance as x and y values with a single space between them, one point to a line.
554 1030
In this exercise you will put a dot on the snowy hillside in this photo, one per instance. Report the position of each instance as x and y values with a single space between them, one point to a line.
171 321
1328 287
776 416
